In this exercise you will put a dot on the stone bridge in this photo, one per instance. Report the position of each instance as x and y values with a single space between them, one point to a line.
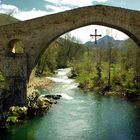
37 34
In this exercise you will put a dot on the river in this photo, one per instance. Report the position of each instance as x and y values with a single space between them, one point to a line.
79 116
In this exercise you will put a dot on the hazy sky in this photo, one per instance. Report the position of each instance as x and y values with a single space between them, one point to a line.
28 9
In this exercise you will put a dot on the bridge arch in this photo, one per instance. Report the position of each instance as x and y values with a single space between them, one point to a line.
120 19
125 31
37 34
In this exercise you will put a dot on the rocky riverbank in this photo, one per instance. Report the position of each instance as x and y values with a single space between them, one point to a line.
37 105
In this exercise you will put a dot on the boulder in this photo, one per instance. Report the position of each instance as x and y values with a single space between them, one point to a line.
54 97
37 106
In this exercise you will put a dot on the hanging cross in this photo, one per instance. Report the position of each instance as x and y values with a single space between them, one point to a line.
95 35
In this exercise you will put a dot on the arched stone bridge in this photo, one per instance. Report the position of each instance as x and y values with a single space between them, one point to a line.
37 34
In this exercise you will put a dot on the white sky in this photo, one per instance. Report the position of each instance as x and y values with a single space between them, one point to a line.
61 5
79 3
84 33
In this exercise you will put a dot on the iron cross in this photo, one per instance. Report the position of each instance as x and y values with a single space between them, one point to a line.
95 35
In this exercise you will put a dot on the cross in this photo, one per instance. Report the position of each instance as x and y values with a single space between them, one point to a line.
95 35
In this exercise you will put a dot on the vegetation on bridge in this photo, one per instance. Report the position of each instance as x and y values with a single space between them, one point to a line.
1 80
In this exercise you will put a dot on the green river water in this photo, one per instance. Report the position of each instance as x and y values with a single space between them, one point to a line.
79 116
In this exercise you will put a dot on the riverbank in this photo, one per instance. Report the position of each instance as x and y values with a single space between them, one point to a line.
132 95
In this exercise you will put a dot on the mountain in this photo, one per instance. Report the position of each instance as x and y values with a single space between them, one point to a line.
7 19
104 41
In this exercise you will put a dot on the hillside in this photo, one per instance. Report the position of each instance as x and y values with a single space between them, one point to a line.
6 19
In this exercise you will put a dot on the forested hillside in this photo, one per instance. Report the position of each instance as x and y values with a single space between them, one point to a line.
110 67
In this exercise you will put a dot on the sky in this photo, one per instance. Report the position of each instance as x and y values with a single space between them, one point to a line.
28 9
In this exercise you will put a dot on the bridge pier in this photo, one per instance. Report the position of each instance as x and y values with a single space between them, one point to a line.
15 92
